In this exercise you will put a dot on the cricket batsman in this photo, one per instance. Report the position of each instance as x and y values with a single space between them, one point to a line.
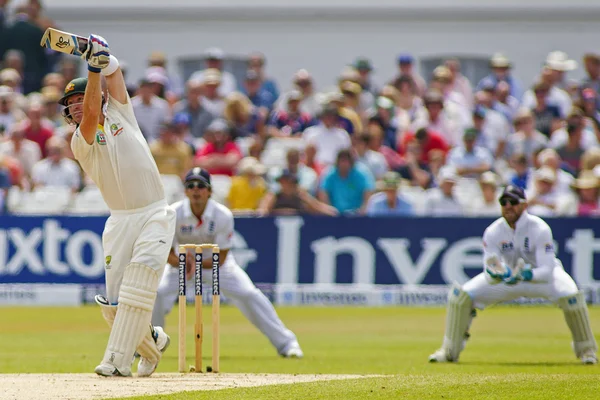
519 261
201 219
138 234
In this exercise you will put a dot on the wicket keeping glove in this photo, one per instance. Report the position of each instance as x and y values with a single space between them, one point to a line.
522 273
97 53
496 269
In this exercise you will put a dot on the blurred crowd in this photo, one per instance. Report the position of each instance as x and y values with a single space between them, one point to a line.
436 145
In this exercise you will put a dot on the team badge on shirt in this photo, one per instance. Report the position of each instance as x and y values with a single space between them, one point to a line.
108 260
116 128
100 138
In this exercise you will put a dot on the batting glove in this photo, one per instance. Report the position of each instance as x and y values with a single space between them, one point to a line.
522 273
97 53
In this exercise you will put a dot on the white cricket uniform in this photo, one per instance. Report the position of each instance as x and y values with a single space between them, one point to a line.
217 227
532 241
141 225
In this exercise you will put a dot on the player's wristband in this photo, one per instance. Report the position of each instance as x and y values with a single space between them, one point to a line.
111 67
93 69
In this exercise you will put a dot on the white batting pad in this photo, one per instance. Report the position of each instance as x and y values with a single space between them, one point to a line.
578 320
108 311
136 300
458 319
148 348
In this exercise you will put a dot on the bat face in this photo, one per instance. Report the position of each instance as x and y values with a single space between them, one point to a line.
63 42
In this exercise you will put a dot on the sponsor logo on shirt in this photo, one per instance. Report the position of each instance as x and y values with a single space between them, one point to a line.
526 244
186 229
100 138
506 246
116 128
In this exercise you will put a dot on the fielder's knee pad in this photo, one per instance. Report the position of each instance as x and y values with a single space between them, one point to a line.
458 318
578 319
132 322
108 310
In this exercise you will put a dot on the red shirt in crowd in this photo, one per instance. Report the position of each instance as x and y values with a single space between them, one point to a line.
210 149
39 136
434 141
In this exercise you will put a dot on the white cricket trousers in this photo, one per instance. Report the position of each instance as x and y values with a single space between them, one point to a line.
237 287
142 236
484 293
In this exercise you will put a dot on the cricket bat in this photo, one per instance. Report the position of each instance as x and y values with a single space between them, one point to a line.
64 42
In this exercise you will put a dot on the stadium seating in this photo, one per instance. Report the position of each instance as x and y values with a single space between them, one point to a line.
89 202
43 201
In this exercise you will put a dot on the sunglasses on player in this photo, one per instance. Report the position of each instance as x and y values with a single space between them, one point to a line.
512 202
195 184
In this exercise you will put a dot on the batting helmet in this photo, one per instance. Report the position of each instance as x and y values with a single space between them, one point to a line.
76 86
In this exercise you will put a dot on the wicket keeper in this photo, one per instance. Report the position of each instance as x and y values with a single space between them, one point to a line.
138 234
519 261
201 219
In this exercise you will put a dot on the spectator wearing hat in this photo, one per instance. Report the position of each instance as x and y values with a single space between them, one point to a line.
150 110
458 82
448 123
585 200
487 204
440 201
575 131
470 160
214 57
159 79
553 95
406 67
290 121
291 199
488 97
220 154
543 195
365 70
377 143
526 140
550 158
388 201
349 83
559 64
10 77
50 97
212 99
591 63
347 185
173 83
248 187
327 137
56 170
303 82
25 151
427 140
192 105
383 115
442 81
373 160
171 154
256 62
501 67
243 118
262 99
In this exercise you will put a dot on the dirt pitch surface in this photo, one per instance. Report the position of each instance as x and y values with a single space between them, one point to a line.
91 386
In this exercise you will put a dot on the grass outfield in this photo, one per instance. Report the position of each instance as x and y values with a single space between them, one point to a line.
514 352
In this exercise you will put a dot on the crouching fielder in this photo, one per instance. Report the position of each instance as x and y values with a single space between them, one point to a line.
519 261
202 220
138 234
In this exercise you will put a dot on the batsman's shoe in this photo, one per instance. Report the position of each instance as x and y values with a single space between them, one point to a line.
147 367
589 357
440 356
293 350
106 369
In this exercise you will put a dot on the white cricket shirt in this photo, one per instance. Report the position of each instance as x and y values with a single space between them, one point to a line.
531 240
216 227
119 160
